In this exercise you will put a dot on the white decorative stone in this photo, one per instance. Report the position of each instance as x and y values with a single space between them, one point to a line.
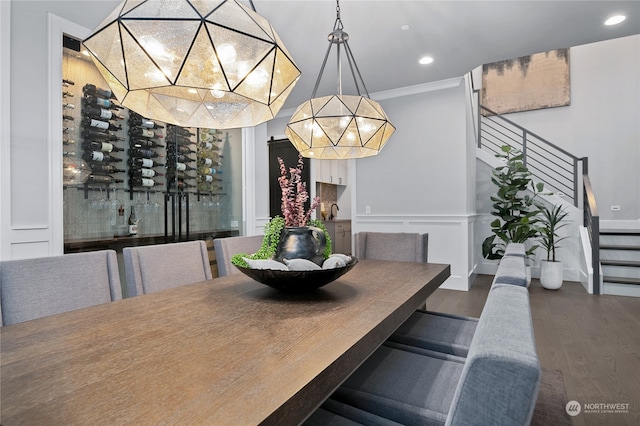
346 259
333 262
266 264
301 265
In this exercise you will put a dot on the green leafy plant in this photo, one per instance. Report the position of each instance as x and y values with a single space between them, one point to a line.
551 221
513 205
272 234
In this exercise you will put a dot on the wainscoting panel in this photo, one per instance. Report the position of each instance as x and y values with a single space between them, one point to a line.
449 240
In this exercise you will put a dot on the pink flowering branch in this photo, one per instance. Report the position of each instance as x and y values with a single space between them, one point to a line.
294 195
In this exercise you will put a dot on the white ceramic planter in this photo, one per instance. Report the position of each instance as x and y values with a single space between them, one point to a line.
551 274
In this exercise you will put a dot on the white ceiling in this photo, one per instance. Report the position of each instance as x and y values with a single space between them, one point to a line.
459 35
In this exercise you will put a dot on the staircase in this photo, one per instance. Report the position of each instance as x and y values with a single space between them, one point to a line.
620 260
615 251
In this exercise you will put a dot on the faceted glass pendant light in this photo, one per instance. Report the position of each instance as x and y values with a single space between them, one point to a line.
194 63
339 126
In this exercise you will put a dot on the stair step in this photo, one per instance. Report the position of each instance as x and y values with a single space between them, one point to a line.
620 232
618 247
620 263
621 280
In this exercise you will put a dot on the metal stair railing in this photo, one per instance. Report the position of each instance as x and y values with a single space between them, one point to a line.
554 166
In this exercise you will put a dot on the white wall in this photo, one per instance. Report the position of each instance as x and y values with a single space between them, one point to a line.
32 221
601 123
420 180
424 178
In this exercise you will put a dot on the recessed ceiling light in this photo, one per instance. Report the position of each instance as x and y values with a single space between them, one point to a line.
614 20
425 60
405 27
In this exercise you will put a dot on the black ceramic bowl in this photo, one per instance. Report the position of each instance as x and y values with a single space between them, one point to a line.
297 281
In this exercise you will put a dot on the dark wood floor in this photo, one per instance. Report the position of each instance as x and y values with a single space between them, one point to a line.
593 340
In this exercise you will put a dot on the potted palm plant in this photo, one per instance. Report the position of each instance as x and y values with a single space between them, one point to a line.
550 220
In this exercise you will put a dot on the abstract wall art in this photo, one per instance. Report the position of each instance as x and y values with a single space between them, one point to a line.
537 81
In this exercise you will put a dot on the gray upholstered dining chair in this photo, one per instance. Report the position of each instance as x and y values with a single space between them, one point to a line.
163 266
227 247
401 246
432 330
40 287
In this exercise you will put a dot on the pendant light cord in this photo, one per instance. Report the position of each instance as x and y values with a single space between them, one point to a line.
338 37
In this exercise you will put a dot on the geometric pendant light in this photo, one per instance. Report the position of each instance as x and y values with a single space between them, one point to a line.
194 63
339 126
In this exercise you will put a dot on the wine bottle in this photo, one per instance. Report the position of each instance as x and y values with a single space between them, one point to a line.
208 171
182 149
180 158
68 82
104 169
90 89
143 153
178 140
206 137
101 102
66 94
123 227
102 179
180 167
210 154
136 120
176 130
208 187
208 178
177 174
93 134
68 142
68 129
100 156
208 162
138 131
143 172
68 105
144 143
100 113
133 222
104 125
68 117
101 146
68 153
143 162
141 181
208 146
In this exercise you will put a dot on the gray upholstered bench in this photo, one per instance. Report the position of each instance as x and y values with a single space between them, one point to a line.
418 376
452 334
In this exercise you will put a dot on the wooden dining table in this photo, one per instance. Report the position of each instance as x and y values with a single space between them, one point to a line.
228 351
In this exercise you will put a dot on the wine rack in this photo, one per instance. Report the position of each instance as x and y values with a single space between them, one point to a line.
100 132
128 160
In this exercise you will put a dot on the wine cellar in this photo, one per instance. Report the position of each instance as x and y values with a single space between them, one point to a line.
131 180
